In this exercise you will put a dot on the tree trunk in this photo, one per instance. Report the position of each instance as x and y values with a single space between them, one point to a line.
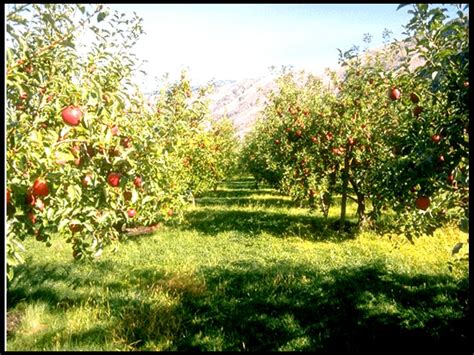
345 181
360 202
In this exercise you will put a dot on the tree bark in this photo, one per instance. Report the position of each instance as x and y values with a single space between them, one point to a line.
345 181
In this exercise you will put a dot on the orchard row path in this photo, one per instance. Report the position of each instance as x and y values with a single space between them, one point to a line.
246 270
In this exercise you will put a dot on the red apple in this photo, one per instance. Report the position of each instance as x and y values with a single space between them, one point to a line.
441 159
436 138
298 133
75 149
23 96
314 139
114 179
422 203
450 178
30 198
170 212
39 204
351 141
115 130
74 227
414 98
329 136
417 111
137 181
32 217
277 141
72 115
466 84
126 142
40 187
131 213
87 180
394 94
127 195
114 152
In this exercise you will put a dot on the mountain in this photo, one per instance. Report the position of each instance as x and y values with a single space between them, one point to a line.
243 100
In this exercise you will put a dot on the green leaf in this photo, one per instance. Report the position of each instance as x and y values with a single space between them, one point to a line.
401 6
102 15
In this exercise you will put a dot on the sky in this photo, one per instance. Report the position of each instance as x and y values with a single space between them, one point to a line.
237 41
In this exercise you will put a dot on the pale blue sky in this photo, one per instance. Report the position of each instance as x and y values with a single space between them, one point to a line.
236 41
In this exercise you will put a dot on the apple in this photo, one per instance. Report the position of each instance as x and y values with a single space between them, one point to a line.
8 196
277 141
30 198
394 94
314 139
137 181
39 236
114 179
126 142
466 84
74 227
436 138
75 149
23 96
170 212
338 151
32 217
72 115
131 213
127 195
441 159
413 189
40 187
87 180
351 141
114 152
312 193
298 133
39 204
77 161
49 98
414 98
422 203
450 178
329 136
115 130
417 110
29 69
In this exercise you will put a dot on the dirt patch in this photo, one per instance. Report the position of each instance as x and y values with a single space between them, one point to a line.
13 321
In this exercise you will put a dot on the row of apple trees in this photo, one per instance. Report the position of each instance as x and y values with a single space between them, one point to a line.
389 134
87 155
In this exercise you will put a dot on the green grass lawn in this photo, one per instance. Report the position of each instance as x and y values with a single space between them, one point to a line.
247 271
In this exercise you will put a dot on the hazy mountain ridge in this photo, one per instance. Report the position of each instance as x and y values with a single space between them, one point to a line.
243 100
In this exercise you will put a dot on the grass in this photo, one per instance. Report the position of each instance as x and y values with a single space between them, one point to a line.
247 271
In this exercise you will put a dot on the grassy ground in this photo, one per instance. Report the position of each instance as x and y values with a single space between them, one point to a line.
246 272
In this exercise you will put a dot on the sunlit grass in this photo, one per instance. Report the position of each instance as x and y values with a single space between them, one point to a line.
247 271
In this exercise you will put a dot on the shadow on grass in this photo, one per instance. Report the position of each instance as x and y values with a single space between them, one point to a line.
285 306
245 202
212 222
288 307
